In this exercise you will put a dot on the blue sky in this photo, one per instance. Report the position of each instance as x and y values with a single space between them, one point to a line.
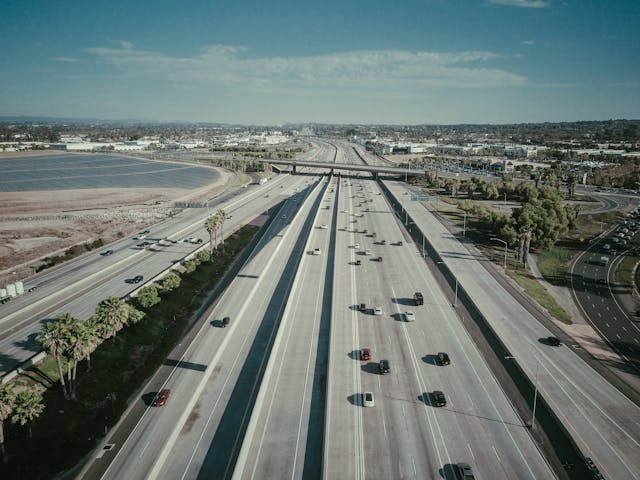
279 61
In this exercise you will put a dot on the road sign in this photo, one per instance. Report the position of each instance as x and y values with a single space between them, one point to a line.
419 198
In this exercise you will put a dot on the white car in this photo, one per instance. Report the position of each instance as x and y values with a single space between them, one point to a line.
377 311
409 317
140 237
367 399
606 246
324 226
316 251
357 245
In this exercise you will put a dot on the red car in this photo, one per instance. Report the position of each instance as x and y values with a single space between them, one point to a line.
161 398
365 354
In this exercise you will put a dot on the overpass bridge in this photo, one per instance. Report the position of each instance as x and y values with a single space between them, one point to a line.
374 169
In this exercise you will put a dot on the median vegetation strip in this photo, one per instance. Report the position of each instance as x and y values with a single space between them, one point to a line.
107 378
625 269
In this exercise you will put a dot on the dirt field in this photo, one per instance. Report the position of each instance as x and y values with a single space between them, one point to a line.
34 225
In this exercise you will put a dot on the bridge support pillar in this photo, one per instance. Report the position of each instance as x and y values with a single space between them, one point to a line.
294 170
375 175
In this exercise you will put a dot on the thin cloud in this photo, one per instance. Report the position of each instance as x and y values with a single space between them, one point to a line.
628 83
528 42
521 3
125 44
367 69
66 59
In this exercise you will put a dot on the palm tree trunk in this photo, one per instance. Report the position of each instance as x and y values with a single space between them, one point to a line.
88 362
61 375
2 450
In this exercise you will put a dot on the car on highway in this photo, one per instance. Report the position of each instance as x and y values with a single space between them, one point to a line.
324 226
384 367
383 242
363 307
357 245
554 341
106 253
438 398
606 246
358 262
464 472
365 354
140 237
161 398
377 311
367 399
144 232
409 317
316 251
443 358
136 279
226 321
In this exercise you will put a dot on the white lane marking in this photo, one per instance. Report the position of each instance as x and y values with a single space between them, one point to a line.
618 337
143 450
471 451
608 326
384 426
496 452
624 328
413 462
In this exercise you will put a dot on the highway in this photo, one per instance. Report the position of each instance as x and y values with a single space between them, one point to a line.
604 423
78 286
594 289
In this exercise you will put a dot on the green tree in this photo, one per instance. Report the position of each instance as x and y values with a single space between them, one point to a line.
148 296
171 281
7 401
134 315
80 339
27 407
53 340
190 266
491 192
203 256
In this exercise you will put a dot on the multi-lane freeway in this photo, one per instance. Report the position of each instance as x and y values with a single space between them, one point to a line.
323 297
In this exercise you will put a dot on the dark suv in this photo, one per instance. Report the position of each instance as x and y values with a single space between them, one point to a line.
384 366
553 341
418 299
438 399
443 358
464 472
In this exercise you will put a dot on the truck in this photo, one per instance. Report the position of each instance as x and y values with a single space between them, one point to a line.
603 261
262 181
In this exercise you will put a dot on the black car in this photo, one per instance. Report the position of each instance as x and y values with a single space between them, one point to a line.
438 398
554 342
137 279
384 366
358 262
464 472
443 358
106 253
363 307
225 321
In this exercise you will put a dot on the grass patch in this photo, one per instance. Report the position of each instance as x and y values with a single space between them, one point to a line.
624 271
536 291
68 430
241 179
553 265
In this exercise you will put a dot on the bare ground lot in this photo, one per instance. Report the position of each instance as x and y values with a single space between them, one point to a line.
37 224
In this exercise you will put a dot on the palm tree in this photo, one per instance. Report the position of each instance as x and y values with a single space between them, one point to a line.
112 313
212 224
96 337
53 340
7 400
222 216
27 407
80 341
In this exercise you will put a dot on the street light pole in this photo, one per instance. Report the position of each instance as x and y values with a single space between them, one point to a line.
464 224
505 250
535 395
